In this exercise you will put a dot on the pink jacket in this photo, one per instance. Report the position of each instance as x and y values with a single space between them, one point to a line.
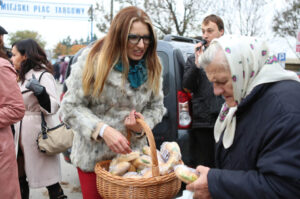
11 110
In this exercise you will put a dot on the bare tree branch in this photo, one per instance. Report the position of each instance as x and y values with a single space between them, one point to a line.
245 17
168 16
287 22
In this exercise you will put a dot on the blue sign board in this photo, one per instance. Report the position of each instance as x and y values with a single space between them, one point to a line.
44 9
281 56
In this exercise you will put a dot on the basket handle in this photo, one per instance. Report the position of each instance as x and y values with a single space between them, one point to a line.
150 137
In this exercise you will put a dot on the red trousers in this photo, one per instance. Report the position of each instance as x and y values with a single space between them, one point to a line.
88 185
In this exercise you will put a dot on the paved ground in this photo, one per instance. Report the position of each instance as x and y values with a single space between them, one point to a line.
70 183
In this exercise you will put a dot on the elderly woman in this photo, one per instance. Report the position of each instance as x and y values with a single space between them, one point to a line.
257 133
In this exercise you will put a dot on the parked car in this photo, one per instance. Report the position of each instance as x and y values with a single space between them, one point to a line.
175 126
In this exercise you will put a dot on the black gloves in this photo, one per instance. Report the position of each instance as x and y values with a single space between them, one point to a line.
40 93
35 86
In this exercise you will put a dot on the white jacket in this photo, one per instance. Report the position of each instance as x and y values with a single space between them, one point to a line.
41 170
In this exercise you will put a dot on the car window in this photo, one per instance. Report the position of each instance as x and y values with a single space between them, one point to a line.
187 55
186 48
164 60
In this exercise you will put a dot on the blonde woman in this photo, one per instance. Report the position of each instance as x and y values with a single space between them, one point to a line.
115 81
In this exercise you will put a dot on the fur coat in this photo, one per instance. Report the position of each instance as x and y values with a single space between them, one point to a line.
83 113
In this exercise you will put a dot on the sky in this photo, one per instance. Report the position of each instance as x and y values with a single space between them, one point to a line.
54 30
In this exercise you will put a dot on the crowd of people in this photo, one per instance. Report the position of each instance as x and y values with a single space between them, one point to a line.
246 108
60 68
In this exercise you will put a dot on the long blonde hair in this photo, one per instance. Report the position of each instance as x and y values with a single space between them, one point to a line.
106 52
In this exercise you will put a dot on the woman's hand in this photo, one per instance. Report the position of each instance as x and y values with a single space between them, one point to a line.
130 121
34 85
116 141
200 186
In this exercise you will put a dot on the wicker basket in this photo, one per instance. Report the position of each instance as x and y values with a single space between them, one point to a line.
157 187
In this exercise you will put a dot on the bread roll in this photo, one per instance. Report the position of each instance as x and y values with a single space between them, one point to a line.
120 168
186 174
164 169
146 173
142 162
132 175
170 148
159 158
113 162
128 157
146 150
132 168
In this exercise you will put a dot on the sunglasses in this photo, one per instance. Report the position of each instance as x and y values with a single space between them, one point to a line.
135 39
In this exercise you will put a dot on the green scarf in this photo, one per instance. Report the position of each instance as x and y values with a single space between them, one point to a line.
137 74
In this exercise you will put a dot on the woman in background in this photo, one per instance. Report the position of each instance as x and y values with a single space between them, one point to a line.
39 93
11 111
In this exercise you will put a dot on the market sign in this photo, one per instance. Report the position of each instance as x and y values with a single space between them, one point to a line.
43 9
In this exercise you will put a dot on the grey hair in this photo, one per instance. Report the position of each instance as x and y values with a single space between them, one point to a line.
211 53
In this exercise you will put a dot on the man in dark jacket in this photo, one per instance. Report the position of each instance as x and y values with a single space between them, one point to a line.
205 104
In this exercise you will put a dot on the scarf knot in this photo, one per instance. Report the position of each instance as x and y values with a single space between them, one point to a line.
137 74
223 112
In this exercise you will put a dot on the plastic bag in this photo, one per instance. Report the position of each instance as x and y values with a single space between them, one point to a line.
186 194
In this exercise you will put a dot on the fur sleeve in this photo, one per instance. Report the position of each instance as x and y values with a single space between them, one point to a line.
155 110
74 109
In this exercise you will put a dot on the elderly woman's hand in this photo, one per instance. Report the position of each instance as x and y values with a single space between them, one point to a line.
200 186
130 121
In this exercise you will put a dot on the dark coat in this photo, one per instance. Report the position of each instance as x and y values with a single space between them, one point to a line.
56 67
63 68
264 159
206 106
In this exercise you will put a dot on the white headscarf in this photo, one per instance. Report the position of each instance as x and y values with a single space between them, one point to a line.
250 65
